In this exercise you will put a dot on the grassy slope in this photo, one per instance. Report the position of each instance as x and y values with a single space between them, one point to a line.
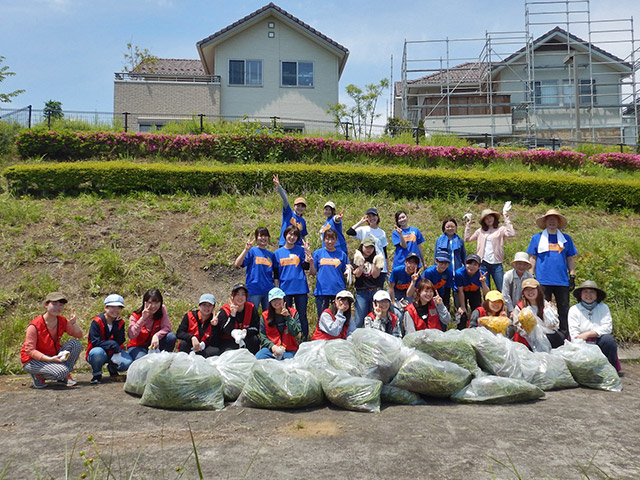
90 246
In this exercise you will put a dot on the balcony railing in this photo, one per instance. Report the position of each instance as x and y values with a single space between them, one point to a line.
163 77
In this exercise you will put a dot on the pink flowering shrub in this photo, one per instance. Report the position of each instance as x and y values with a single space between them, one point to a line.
243 148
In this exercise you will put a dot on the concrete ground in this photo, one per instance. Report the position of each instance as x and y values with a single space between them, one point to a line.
571 434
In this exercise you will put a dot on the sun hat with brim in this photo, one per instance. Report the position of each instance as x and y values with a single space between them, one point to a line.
239 286
368 241
494 296
276 293
381 295
207 298
114 300
300 200
521 257
56 297
345 294
601 294
530 283
486 212
542 221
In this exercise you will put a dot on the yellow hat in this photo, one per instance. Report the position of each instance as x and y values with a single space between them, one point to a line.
494 296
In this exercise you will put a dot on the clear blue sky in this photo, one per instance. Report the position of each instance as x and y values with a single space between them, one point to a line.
68 50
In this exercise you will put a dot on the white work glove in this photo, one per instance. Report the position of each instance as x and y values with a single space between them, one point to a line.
239 335
378 261
348 273
358 258
507 207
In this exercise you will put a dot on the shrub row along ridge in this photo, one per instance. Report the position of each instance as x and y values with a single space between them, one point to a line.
127 177
237 148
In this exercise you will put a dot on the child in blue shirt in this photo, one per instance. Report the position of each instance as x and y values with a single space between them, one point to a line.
406 239
259 263
441 276
292 260
291 217
403 279
329 264
472 284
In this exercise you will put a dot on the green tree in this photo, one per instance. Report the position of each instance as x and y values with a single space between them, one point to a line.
53 110
136 57
363 113
397 126
4 73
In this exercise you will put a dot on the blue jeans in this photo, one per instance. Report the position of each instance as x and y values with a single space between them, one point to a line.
495 271
98 357
301 301
364 305
260 300
265 353
322 303
166 344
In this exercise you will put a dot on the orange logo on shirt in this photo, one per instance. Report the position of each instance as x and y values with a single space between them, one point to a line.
554 247
330 261
409 237
263 261
292 260
293 222
440 284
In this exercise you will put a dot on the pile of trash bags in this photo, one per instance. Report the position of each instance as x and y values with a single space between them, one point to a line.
371 368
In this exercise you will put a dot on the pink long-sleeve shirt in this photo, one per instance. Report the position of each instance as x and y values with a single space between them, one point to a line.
135 326
496 235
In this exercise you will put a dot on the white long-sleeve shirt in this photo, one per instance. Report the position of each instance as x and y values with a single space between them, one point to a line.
582 320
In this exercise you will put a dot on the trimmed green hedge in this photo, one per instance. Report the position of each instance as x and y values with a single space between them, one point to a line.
126 177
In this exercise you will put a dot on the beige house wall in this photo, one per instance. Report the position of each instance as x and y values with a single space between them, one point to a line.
165 100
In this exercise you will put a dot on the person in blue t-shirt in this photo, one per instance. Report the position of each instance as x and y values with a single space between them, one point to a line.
259 263
291 217
329 264
402 281
441 276
451 244
472 284
292 260
406 239
334 222
552 257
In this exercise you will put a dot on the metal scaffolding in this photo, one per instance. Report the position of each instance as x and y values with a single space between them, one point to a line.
562 78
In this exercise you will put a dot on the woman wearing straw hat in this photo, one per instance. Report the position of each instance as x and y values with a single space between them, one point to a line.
590 320
490 242
512 285
552 255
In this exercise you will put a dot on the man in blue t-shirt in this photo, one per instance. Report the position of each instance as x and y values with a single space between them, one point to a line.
552 256
441 275
403 279
471 283
291 217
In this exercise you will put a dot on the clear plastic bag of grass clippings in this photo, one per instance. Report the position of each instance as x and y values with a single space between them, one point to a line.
141 369
494 389
589 366
400 396
421 373
552 372
359 394
311 356
449 346
380 354
280 384
188 382
234 367
341 354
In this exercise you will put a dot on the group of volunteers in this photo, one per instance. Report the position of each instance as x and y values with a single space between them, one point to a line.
268 313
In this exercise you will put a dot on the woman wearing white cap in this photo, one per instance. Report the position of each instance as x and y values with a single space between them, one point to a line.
334 321
333 222
382 318
106 340
199 332
42 355
490 242
279 329
512 285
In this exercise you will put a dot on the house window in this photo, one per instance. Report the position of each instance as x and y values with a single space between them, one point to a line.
297 74
245 72
545 92
587 92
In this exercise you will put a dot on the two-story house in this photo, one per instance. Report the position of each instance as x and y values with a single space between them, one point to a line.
268 64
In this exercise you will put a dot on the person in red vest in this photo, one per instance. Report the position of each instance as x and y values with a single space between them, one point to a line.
199 331
493 306
239 322
382 318
105 343
279 329
42 355
427 309
150 327
334 321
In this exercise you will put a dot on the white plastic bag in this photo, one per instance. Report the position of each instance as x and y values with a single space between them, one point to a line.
234 367
141 369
